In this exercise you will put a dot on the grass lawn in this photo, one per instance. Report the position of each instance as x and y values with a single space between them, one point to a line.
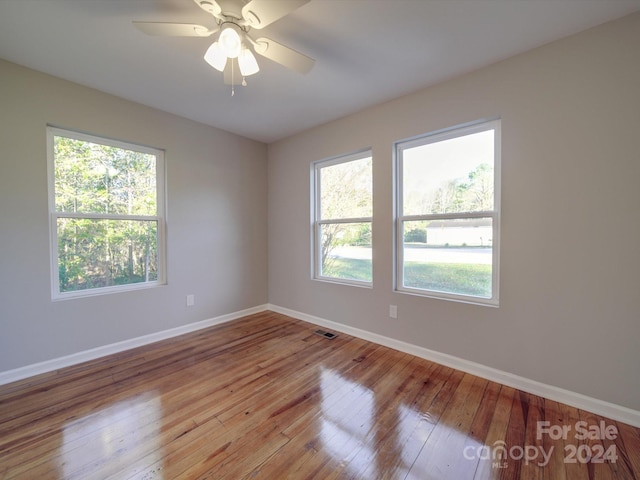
461 278
348 268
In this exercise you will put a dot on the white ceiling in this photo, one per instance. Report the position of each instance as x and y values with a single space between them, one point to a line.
366 51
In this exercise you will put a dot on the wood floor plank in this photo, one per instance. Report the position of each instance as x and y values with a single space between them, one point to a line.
383 409
596 469
234 427
307 431
554 415
532 467
443 453
492 462
629 446
334 391
623 467
251 415
573 442
187 398
394 427
60 401
347 417
416 421
262 397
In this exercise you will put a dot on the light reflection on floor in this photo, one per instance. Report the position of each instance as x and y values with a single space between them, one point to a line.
347 417
348 433
111 435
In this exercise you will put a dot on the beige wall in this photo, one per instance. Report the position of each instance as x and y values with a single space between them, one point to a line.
569 314
216 216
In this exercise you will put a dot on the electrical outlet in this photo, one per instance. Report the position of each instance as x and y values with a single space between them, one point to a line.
191 300
393 311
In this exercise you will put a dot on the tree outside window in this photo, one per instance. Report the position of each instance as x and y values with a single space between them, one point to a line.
107 214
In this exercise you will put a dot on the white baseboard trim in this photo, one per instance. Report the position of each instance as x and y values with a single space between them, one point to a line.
599 407
94 353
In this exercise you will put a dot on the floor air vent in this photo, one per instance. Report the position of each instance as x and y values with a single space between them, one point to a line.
324 334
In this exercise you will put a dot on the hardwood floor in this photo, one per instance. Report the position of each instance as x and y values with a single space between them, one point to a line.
264 397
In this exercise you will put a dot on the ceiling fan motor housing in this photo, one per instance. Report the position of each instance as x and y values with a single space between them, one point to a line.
230 8
212 7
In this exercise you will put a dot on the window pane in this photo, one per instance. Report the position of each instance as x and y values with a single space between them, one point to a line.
93 178
346 190
346 251
449 176
95 253
451 256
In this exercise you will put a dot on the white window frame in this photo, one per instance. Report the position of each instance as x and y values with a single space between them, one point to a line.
434 137
54 215
317 221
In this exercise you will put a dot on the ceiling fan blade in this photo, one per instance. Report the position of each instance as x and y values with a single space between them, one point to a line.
260 13
285 56
232 75
174 29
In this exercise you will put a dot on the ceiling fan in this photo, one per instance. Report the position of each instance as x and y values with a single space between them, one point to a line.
231 52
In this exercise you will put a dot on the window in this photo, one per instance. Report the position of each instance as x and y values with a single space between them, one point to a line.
343 208
448 213
106 202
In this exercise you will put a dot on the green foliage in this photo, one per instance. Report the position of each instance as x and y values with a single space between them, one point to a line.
471 193
357 235
92 179
416 235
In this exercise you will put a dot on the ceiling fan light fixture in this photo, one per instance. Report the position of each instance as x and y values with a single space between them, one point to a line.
232 52
230 40
247 63
215 57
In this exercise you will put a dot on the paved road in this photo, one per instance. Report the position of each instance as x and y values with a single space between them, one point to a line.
430 255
